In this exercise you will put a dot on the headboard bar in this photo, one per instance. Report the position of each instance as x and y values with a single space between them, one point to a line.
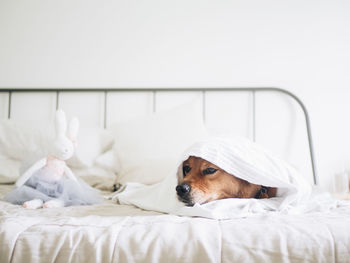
105 109
154 91
254 115
9 105
57 100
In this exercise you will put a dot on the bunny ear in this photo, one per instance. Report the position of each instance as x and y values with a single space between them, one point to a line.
73 129
61 123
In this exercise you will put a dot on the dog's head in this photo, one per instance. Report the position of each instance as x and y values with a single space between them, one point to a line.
202 181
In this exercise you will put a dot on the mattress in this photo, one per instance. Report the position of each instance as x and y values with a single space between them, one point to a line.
119 233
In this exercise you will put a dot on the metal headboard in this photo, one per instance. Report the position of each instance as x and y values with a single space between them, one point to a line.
253 90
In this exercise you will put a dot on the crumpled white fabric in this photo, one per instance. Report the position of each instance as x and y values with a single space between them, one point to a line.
242 158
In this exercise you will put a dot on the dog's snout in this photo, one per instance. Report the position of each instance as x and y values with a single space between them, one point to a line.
183 189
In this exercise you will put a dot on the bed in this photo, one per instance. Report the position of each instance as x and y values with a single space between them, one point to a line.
110 232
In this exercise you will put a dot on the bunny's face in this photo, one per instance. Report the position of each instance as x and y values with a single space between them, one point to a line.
63 146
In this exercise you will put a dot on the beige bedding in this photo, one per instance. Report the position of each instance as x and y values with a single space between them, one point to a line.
119 233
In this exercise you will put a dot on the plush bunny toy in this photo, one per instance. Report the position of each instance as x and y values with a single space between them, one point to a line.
50 182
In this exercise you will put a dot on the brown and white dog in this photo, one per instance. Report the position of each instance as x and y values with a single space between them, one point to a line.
203 182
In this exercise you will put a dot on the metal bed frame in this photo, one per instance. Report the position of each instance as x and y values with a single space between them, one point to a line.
105 91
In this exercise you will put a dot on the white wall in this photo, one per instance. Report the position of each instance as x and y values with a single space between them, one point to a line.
302 46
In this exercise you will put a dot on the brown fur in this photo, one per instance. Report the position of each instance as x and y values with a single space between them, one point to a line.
219 185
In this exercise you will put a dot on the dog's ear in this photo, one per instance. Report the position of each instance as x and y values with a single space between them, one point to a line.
263 196
267 192
272 192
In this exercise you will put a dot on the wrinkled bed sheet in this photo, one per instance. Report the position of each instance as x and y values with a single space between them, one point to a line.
121 233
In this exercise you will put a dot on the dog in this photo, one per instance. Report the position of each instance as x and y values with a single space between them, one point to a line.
202 182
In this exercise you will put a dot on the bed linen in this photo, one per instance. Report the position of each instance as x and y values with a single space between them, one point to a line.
122 233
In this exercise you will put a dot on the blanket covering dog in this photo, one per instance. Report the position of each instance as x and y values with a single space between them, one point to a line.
244 159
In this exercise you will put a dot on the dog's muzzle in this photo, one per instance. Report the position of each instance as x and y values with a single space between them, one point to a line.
183 192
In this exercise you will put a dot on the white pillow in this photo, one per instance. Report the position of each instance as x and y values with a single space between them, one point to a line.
9 170
24 141
108 161
27 142
92 142
149 147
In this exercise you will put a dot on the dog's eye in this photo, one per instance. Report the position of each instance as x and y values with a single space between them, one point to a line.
186 169
209 171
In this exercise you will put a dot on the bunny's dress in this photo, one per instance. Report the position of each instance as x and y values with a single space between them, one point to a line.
50 183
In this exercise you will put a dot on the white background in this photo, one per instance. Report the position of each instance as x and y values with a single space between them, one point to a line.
302 46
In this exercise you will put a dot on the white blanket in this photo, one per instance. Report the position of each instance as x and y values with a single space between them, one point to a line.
120 233
243 159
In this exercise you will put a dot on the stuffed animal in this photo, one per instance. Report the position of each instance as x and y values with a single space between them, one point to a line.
50 182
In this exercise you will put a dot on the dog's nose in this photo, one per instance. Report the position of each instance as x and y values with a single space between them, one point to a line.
183 189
